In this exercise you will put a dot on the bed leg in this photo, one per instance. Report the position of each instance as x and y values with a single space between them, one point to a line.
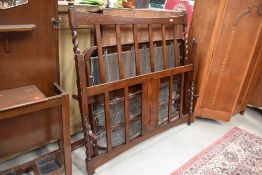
89 168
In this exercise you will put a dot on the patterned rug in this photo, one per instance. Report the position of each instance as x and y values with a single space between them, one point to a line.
236 153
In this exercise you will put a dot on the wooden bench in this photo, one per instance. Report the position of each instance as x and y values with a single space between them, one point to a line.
108 104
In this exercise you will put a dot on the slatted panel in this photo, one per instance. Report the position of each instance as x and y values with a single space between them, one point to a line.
137 57
100 53
95 90
150 82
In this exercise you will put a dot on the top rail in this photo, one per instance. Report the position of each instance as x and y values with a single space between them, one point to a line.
87 18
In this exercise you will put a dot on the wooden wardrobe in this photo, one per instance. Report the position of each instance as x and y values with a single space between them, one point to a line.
229 57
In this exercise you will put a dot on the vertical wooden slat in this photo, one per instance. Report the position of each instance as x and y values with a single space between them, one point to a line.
66 135
163 29
100 53
181 95
145 108
108 125
170 99
126 114
119 51
135 34
175 47
151 45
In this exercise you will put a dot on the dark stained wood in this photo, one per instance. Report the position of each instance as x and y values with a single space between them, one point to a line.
175 47
17 28
170 98
127 38
86 18
66 135
181 95
147 84
126 106
29 55
19 96
29 61
163 28
108 124
151 47
135 36
119 51
100 54
60 100
150 105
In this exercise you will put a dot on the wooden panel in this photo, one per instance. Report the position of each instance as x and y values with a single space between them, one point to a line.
251 80
228 59
33 59
203 30
150 105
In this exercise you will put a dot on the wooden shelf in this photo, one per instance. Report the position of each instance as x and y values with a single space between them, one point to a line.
17 28
20 96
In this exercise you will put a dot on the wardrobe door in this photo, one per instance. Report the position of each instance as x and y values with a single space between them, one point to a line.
235 43
256 98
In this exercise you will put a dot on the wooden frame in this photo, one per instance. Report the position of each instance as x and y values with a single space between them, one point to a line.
149 82
63 155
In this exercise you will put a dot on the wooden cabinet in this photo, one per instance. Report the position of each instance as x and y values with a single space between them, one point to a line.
228 55
33 111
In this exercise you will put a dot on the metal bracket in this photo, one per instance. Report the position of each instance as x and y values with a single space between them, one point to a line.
55 22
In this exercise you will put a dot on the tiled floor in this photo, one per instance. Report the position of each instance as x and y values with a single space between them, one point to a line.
164 153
